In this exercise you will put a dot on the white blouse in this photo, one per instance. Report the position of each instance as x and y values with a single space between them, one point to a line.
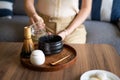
58 8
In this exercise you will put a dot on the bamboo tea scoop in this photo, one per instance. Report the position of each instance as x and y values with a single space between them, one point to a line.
60 60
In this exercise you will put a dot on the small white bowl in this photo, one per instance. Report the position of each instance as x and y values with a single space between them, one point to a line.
37 57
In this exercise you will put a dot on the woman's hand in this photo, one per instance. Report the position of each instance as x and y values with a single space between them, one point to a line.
63 34
36 19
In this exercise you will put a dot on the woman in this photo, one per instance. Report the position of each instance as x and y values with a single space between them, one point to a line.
61 17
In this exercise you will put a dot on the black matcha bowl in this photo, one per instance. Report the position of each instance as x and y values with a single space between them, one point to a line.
50 44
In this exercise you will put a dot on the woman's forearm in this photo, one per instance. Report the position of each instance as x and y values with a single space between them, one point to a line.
29 7
79 19
81 16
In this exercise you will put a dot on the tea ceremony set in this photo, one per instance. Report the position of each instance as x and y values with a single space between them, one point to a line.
48 53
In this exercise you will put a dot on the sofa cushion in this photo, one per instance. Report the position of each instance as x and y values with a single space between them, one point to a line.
99 32
18 7
6 9
105 10
118 24
13 30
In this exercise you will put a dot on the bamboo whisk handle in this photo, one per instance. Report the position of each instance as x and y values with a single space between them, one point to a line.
27 32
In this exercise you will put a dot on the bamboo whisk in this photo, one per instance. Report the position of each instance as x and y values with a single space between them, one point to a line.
28 45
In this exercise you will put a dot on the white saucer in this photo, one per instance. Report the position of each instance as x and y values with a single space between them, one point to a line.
99 75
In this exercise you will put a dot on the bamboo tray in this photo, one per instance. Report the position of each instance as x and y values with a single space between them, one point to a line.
67 50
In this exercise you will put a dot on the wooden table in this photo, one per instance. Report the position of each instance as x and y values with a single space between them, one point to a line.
89 57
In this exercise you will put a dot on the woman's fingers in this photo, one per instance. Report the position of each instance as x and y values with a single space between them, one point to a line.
40 25
37 21
31 20
49 33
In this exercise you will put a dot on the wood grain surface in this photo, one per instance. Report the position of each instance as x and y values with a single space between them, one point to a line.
89 57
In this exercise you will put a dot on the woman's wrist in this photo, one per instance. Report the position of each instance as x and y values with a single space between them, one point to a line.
66 32
37 18
34 16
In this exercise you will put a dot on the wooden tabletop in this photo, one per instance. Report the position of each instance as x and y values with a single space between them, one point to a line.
89 57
